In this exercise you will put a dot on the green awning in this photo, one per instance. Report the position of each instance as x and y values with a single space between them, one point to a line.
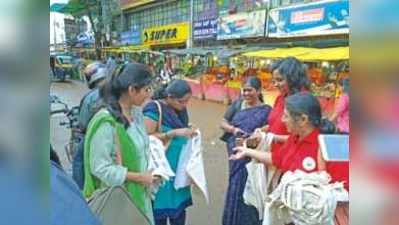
73 7
57 7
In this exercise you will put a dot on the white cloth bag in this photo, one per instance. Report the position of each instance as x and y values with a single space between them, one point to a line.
190 168
305 199
158 163
255 191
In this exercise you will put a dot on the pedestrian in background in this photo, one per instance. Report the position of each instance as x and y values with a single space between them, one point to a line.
95 74
116 149
170 204
341 112
111 64
242 118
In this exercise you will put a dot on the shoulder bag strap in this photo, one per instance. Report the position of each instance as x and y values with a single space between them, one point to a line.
117 147
160 116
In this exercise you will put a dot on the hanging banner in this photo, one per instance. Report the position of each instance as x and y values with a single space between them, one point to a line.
242 25
169 34
126 4
132 37
205 29
320 18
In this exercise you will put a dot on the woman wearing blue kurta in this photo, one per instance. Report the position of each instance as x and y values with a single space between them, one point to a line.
170 203
241 119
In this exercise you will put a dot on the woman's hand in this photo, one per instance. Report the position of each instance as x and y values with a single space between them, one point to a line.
240 152
254 140
185 132
147 179
237 131
265 128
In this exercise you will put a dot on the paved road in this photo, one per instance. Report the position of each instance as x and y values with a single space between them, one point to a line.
205 115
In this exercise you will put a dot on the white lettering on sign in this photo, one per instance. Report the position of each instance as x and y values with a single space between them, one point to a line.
312 15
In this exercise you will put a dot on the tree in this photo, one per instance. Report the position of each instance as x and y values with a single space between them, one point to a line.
100 14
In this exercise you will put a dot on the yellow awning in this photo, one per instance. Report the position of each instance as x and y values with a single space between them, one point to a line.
134 48
304 54
123 49
279 52
327 54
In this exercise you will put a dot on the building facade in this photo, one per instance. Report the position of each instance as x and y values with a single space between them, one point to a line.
169 24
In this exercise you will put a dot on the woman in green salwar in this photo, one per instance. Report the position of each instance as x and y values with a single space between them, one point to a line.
116 149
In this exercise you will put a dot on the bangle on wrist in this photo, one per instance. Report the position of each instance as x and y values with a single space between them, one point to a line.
168 135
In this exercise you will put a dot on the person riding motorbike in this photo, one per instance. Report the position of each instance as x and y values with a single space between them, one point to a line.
95 74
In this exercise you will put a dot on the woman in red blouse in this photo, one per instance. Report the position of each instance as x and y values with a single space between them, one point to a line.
302 117
289 77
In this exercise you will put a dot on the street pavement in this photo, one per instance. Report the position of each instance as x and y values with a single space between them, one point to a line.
203 114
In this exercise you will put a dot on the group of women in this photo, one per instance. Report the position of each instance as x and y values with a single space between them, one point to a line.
296 121
116 149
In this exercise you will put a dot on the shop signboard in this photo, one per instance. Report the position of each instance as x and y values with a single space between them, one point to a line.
319 18
168 34
132 37
204 29
242 25
127 4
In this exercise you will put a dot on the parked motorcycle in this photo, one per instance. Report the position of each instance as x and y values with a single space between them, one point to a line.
71 123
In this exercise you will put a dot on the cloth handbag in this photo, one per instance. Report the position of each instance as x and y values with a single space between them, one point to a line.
256 186
114 206
190 168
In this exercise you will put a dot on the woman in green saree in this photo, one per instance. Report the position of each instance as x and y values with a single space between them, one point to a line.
116 149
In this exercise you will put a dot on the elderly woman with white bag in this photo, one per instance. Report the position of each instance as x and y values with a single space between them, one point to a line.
302 116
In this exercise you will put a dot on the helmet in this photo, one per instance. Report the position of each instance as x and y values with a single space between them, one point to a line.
94 72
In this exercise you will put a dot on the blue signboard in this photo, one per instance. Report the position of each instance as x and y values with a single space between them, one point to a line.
319 18
204 29
132 37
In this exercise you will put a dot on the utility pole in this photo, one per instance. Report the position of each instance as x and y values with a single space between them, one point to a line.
190 41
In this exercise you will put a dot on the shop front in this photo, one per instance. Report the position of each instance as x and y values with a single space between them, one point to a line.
166 37
216 79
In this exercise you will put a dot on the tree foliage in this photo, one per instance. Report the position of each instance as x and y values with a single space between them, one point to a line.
100 14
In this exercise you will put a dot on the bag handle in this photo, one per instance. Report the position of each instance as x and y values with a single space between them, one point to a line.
159 126
160 115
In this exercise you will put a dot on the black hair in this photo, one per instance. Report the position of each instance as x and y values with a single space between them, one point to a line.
306 103
175 89
294 72
256 83
130 75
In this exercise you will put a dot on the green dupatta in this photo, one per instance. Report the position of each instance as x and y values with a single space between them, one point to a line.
130 159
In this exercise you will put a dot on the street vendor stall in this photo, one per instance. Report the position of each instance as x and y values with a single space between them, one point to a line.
325 69
190 64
